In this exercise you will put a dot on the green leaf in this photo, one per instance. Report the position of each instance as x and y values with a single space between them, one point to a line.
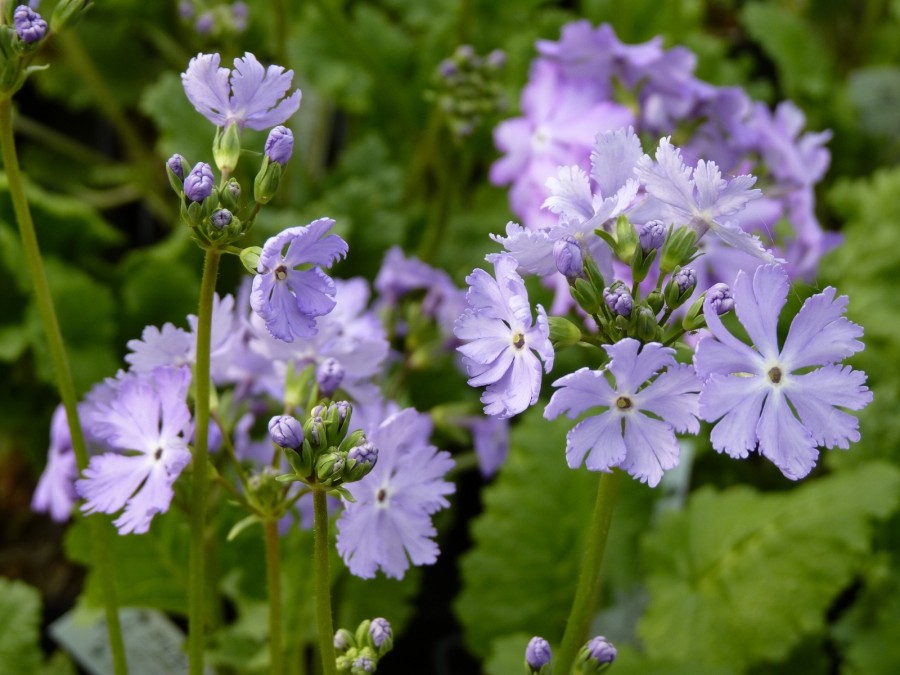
804 66
520 574
875 92
151 570
20 617
182 129
507 655
741 577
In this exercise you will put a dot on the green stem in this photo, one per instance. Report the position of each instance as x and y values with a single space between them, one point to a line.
273 571
588 588
33 261
323 588
200 475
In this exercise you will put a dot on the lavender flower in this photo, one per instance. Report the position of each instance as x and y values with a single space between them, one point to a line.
537 653
767 398
289 299
249 96
169 346
221 218
55 492
29 25
500 336
279 145
389 525
149 416
719 299
624 434
199 183
619 300
380 632
652 235
698 198
177 164
286 431
204 25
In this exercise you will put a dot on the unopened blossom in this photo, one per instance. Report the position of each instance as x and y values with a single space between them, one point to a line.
290 289
503 344
389 525
537 653
150 420
785 401
279 145
639 413
28 24
250 95
199 182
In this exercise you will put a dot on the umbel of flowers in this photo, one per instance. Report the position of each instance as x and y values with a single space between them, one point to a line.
629 241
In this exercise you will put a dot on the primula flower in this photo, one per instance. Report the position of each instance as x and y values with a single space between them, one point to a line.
249 96
150 419
624 434
289 299
389 524
55 492
500 336
768 397
29 25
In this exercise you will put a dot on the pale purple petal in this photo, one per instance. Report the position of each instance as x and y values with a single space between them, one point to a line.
631 369
758 303
816 396
820 333
614 158
673 397
784 440
737 401
579 391
652 448
600 438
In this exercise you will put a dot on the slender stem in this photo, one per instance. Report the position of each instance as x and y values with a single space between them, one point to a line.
588 588
273 571
323 588
200 475
98 529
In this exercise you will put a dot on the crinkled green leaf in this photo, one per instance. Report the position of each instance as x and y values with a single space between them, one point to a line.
804 66
20 617
741 577
520 573
630 662
875 92
151 570
507 655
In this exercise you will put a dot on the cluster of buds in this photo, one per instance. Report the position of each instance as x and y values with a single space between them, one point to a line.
597 656
219 20
21 34
466 88
219 216
320 451
358 653
619 309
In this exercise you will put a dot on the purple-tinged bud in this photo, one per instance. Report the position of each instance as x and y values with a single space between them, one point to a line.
568 258
343 640
652 236
177 164
381 633
537 653
29 25
464 53
329 376
205 23
448 68
596 656
720 299
199 182
221 218
185 9
619 300
496 59
239 14
364 454
280 145
286 431
685 279
363 664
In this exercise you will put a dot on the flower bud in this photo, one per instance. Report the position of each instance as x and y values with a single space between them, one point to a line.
646 326
537 655
199 183
239 15
286 432
719 297
626 239
329 376
177 164
314 432
652 235
204 25
265 185
279 145
343 640
596 656
221 218
563 333
361 460
619 300
29 25
680 287
496 59
362 665
230 195
382 636
264 491
227 146
329 467
568 258
678 249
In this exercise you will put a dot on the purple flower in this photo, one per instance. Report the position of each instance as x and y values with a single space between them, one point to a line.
490 436
249 96
380 631
329 375
177 164
537 653
652 235
770 398
624 434
29 25
289 299
169 346
199 183
500 336
150 418
279 145
389 525
698 198
55 492
619 300
204 25
600 650
286 431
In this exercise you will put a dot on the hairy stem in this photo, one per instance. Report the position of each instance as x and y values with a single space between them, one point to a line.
200 475
273 571
588 588
323 588
99 530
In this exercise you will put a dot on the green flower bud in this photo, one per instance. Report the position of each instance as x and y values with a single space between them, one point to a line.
329 467
627 239
265 185
343 641
264 491
230 195
227 148
654 301
563 333
645 324
585 295
67 12
694 318
679 249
